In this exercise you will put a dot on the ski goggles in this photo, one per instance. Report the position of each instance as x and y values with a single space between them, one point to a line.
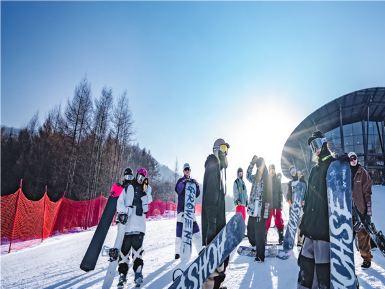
140 178
186 169
128 177
316 144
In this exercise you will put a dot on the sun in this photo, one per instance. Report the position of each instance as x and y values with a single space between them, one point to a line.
261 131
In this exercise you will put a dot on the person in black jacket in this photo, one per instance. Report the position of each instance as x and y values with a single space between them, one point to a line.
314 259
276 206
213 205
259 204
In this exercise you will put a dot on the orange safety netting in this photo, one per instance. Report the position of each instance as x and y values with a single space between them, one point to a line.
25 222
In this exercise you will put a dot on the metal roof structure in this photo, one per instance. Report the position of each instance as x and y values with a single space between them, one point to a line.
365 104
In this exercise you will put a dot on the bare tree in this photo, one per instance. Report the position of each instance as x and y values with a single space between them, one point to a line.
77 115
122 129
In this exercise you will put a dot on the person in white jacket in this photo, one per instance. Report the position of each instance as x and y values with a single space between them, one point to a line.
131 208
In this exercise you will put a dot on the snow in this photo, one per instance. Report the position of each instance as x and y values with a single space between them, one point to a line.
55 262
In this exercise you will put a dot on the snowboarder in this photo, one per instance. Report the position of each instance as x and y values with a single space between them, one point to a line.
362 200
131 208
180 190
314 258
276 206
240 194
259 205
213 205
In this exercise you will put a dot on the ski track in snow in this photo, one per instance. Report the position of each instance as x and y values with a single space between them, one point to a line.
55 262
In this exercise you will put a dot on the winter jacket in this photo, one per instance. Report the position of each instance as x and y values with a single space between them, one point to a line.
213 201
276 192
180 190
289 195
240 192
315 220
260 187
134 202
362 189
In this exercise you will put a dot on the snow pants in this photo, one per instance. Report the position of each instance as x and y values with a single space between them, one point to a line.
314 265
256 233
363 239
277 213
134 244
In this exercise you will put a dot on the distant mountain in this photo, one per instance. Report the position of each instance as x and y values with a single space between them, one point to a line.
166 174
8 130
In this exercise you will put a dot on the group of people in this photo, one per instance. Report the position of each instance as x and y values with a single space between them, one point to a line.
263 203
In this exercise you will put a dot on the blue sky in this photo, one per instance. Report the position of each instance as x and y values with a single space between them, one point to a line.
248 72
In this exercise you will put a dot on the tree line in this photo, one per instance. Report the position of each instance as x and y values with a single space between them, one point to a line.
78 151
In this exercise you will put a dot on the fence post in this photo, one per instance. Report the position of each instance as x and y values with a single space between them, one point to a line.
14 218
43 223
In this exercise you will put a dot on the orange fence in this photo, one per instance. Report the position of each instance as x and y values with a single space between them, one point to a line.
25 222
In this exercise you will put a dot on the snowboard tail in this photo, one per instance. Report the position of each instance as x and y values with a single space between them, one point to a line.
212 256
91 257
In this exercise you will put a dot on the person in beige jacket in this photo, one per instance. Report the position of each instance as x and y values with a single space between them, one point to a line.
362 200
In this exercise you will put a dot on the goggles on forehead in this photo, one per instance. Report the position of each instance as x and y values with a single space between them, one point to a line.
316 144
128 177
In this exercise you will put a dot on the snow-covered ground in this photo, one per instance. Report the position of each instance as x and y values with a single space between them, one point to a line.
55 263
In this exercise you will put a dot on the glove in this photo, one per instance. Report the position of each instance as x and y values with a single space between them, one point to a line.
254 160
122 218
343 157
367 219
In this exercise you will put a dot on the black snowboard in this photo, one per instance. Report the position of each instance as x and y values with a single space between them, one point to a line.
91 257
376 236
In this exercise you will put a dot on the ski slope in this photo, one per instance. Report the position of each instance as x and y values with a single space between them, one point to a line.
55 262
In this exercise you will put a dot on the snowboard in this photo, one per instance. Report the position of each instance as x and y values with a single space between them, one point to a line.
295 213
342 271
212 256
114 256
271 251
91 257
376 236
188 221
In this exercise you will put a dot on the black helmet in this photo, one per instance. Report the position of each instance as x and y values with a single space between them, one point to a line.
127 171
316 134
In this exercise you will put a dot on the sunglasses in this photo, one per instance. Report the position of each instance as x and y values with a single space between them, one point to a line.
186 169
353 158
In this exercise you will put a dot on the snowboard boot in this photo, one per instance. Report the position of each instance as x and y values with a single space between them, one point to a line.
122 280
280 238
138 279
259 259
366 264
177 256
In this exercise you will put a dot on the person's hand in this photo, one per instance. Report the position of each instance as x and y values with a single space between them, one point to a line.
289 202
122 218
367 219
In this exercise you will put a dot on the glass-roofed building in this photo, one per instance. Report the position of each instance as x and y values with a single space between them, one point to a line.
353 122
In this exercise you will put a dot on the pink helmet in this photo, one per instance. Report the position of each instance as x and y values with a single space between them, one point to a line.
142 171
